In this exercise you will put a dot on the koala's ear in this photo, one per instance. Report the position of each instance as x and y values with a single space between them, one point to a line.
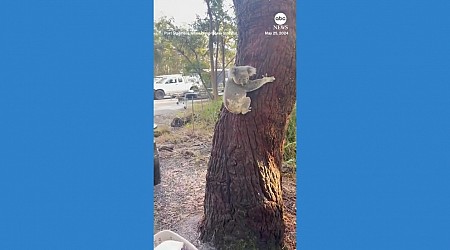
251 70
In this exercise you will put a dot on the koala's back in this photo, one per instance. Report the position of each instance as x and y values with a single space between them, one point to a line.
233 90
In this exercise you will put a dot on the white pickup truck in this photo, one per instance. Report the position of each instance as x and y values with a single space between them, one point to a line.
173 85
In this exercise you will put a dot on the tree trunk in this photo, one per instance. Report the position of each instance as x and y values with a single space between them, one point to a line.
211 51
243 206
222 44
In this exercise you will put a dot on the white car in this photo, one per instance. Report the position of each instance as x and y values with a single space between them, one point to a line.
172 86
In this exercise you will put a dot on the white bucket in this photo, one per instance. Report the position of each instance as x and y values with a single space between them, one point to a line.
169 235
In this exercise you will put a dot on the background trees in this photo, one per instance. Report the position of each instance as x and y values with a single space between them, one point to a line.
203 47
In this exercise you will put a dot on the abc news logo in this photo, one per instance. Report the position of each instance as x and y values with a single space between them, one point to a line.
280 19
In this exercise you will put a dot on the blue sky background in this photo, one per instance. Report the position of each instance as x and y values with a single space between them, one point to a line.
76 124
374 113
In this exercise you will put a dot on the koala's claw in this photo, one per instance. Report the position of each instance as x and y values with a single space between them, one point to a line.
270 78
246 111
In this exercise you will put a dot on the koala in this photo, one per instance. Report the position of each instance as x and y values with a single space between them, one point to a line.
235 92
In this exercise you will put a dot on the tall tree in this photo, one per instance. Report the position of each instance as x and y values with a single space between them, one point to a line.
185 49
243 206
219 21
211 49
180 47
167 58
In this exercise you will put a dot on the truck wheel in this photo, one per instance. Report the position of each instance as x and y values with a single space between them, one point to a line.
159 94
194 88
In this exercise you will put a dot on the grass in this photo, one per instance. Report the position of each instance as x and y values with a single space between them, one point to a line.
161 130
290 143
208 113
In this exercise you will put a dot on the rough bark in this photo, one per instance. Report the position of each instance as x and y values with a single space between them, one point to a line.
243 206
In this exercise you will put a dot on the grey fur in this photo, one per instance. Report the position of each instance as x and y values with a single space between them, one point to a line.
235 93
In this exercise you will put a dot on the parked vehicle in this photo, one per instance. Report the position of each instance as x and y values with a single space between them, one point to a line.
173 85
222 76
156 79
156 166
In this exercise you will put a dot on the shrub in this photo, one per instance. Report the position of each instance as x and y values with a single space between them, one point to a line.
290 143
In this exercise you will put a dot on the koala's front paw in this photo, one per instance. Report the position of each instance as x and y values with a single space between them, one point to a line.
246 111
269 78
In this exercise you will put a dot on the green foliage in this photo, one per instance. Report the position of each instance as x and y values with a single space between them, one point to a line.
178 49
208 113
290 143
185 49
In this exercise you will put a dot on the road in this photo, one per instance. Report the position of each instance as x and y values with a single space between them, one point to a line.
166 106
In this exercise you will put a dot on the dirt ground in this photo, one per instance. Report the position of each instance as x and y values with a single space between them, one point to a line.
178 200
